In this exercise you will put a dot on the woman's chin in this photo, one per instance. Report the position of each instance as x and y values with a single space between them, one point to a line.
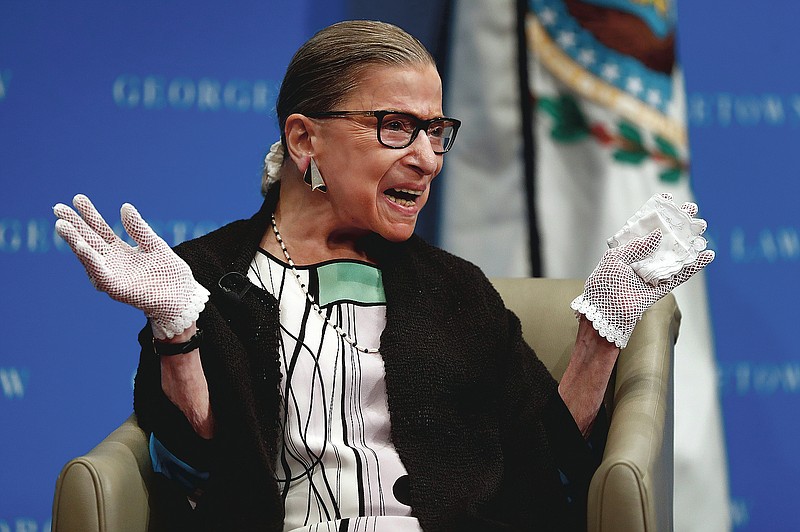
398 232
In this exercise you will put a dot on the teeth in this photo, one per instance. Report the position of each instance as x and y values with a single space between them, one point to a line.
404 201
409 191
399 201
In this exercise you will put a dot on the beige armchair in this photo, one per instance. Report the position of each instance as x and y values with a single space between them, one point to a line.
109 488
632 489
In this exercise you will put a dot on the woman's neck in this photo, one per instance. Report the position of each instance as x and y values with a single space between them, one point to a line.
309 229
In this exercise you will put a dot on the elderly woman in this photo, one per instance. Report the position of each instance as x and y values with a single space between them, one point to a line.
319 367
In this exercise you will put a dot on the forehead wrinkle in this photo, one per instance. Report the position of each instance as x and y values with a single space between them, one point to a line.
398 90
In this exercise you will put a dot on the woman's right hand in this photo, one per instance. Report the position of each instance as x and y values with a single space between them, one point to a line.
149 276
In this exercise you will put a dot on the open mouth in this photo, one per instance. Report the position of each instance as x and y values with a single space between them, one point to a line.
403 196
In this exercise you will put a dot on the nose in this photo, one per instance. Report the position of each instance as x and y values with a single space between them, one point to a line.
424 157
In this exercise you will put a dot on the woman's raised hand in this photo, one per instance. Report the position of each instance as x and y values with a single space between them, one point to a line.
149 276
615 297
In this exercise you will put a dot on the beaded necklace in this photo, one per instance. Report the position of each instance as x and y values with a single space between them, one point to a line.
341 332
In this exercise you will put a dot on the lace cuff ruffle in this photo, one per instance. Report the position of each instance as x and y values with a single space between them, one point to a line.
600 322
165 329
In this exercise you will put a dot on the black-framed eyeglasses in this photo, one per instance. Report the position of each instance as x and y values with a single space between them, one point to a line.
398 130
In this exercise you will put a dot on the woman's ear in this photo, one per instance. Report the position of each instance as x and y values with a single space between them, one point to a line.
299 132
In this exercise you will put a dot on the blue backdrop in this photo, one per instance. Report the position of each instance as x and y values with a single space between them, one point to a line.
168 105
743 85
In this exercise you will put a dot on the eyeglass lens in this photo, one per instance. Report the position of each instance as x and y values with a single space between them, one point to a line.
397 131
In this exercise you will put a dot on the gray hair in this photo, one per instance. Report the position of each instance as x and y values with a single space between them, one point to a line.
330 65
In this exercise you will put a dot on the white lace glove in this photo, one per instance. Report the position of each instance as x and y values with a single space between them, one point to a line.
681 240
615 297
150 276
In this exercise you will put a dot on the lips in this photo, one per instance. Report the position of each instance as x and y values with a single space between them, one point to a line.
403 196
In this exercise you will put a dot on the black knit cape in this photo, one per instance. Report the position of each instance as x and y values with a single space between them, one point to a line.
475 416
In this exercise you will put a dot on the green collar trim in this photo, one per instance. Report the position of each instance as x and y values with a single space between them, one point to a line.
350 281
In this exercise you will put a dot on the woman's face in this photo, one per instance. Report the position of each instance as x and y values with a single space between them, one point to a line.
372 188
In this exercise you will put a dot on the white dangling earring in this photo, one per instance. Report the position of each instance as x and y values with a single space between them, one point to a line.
313 178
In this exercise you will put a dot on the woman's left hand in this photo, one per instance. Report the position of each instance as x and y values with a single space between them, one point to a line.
615 297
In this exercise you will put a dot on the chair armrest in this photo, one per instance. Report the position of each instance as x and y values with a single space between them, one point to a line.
633 487
106 489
